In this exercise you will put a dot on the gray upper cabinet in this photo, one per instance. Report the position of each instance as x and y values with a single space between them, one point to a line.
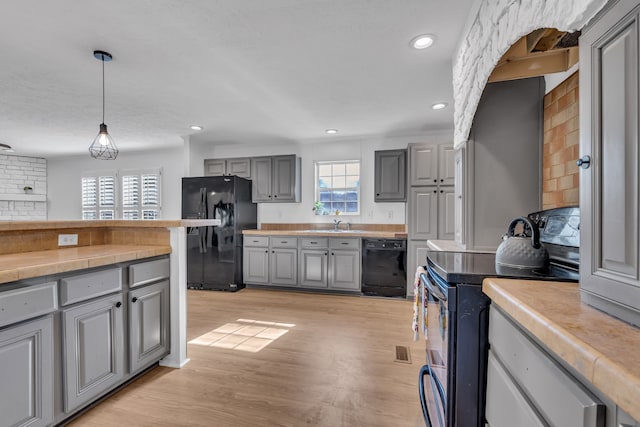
390 176
221 167
423 164
276 179
26 369
261 183
93 347
609 108
148 325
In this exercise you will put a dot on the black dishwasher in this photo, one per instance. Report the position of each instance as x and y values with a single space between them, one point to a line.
384 267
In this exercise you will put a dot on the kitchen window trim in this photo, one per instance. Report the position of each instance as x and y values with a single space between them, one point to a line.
316 169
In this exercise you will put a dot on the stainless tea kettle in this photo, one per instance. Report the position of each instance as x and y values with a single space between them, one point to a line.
522 251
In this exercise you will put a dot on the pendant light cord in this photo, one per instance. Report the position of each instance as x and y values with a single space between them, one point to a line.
102 88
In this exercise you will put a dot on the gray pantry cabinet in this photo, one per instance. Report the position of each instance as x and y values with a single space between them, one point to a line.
223 167
390 176
431 203
276 179
609 185
26 354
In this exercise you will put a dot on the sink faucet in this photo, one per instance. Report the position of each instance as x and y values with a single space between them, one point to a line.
336 223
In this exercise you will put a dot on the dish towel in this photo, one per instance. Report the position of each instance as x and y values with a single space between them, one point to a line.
419 306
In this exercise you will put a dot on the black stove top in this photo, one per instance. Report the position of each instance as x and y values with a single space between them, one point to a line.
472 268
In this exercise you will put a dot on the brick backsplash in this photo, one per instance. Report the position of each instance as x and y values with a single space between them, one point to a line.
16 172
560 178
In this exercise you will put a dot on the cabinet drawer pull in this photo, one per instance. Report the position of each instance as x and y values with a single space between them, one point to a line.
284 242
134 299
313 243
344 243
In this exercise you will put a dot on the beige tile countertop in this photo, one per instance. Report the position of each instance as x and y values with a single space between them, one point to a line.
602 348
155 223
41 263
329 233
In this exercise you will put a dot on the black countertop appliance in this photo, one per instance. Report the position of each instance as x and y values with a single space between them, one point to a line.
214 254
452 383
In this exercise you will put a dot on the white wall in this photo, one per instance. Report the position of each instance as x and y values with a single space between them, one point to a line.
330 148
64 175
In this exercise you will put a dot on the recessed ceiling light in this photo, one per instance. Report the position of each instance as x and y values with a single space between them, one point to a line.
423 41
439 106
196 127
331 131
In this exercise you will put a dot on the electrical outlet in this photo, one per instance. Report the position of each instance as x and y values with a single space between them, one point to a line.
370 215
390 214
67 239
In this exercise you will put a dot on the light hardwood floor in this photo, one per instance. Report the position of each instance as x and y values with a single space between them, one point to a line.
334 368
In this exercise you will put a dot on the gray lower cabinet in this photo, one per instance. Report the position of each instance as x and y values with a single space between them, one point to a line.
344 270
26 370
526 386
313 268
93 349
330 263
284 266
148 324
390 176
255 260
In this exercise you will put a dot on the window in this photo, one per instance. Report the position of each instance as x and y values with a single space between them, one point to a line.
139 194
99 195
338 187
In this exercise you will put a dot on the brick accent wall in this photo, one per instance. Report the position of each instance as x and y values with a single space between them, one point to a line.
16 172
560 178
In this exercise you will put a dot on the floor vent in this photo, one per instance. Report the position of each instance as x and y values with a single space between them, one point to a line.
403 355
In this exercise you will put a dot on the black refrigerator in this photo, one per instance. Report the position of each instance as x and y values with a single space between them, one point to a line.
214 253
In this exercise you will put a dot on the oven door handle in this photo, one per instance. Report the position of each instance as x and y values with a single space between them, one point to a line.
426 370
433 290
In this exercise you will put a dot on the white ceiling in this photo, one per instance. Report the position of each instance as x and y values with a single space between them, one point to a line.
249 71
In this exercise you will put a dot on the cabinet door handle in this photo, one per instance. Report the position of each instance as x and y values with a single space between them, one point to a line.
435 191
134 299
584 162
442 191
266 252
332 254
275 196
435 180
273 252
442 180
377 194
118 304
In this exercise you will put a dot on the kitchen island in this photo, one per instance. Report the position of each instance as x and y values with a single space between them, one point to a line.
85 306
30 249
598 350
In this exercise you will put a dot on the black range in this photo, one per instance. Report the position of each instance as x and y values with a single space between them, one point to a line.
457 313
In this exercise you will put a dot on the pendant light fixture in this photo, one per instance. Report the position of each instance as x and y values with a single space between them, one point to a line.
103 147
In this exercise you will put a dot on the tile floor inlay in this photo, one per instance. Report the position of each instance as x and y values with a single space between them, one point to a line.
243 335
